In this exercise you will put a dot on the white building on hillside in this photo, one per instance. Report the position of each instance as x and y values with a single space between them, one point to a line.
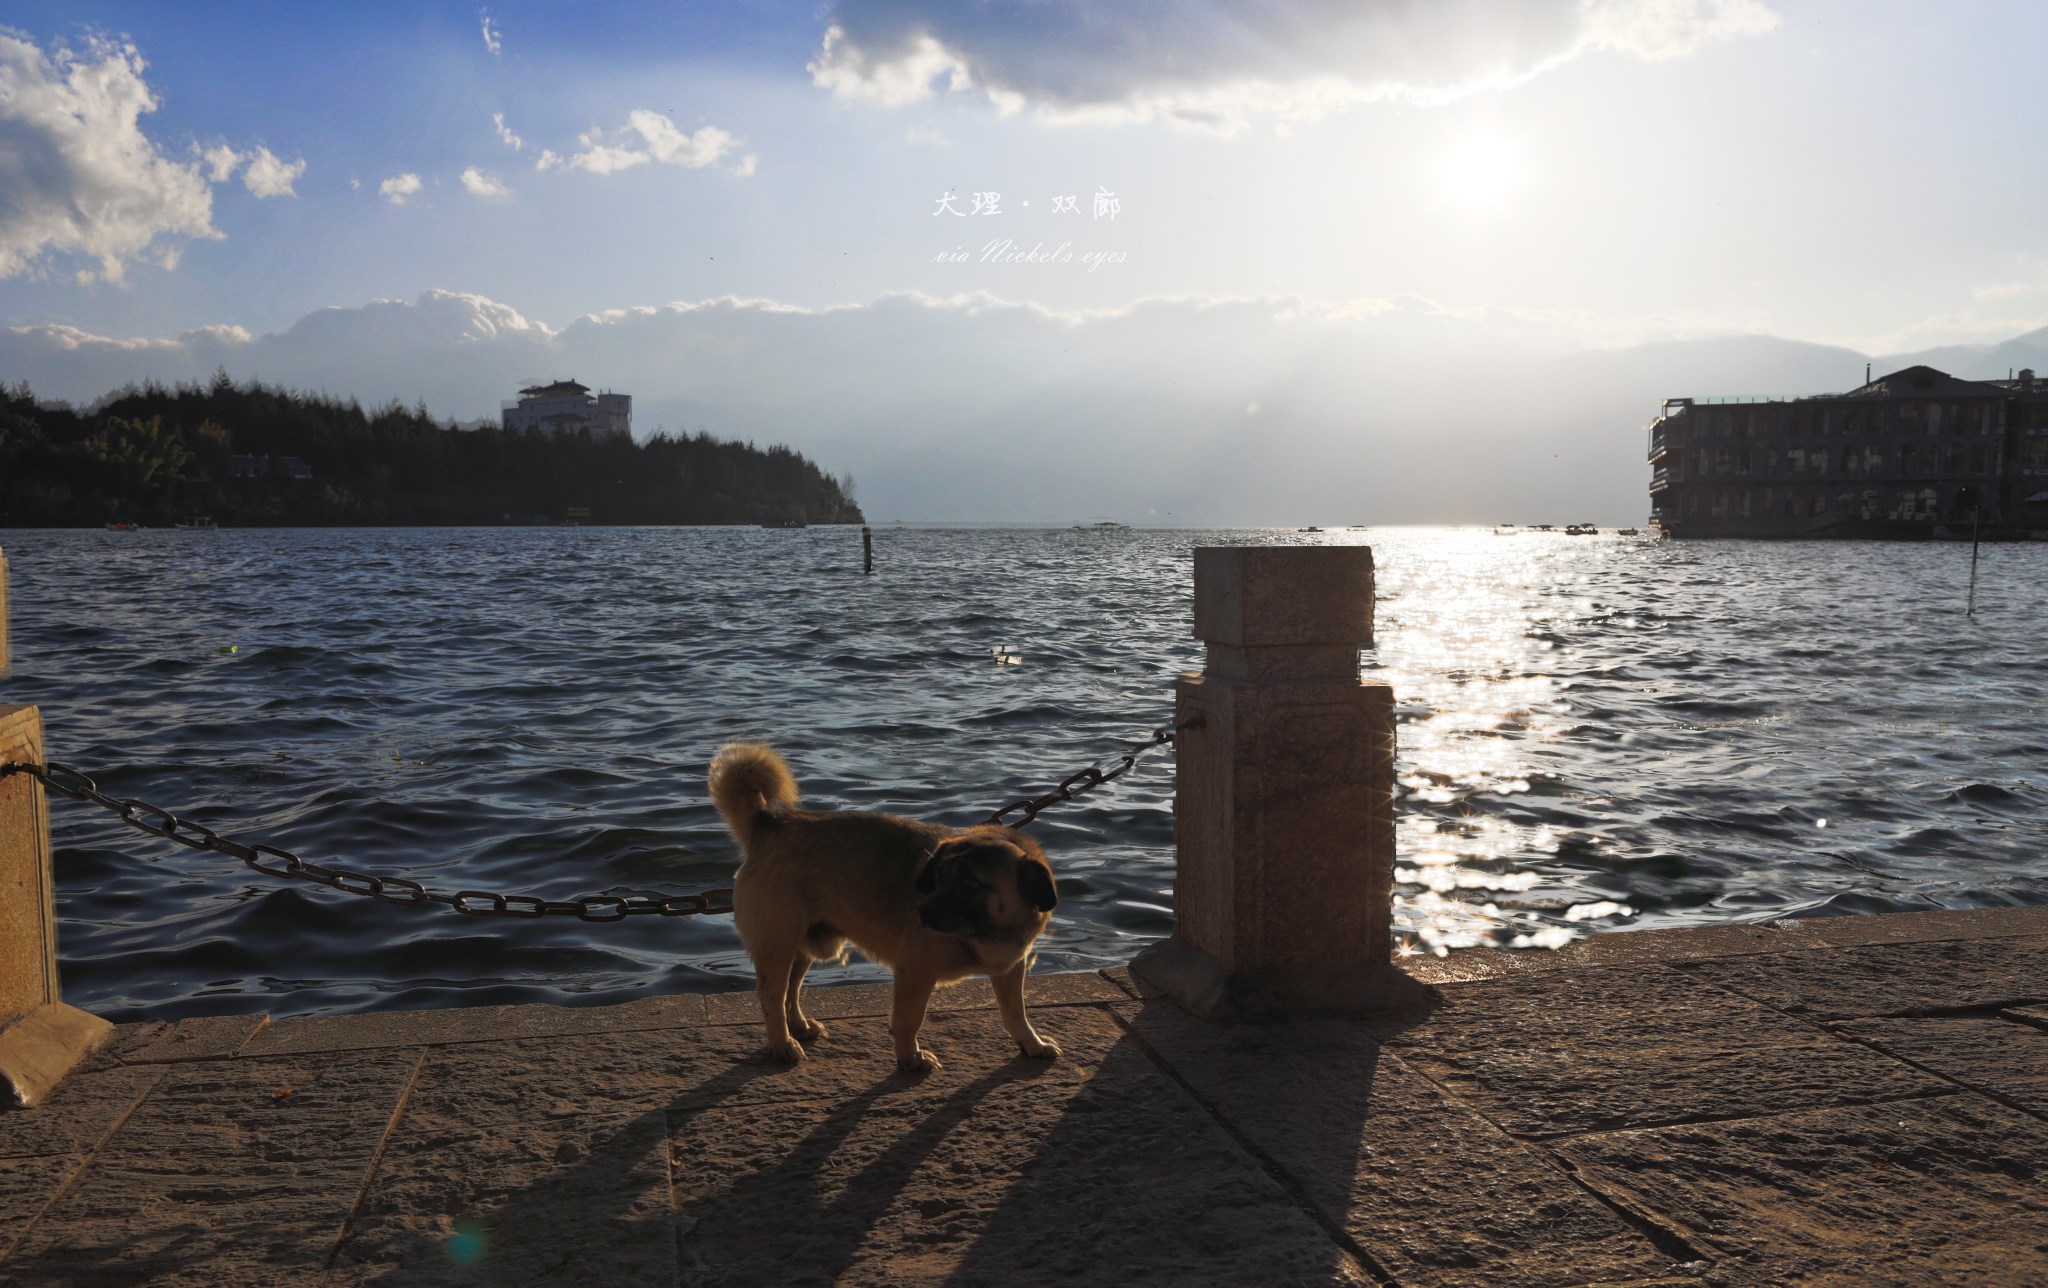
565 407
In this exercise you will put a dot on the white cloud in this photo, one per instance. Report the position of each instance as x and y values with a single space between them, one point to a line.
482 185
646 137
505 134
494 39
397 188
267 176
77 175
745 168
221 162
927 138
1216 66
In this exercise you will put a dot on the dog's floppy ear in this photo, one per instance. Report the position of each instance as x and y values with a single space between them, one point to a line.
1034 882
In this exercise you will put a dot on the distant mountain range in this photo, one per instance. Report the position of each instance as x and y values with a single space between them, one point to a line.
1190 411
1978 361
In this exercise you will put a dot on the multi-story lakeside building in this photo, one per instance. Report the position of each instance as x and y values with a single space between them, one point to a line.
567 407
1917 453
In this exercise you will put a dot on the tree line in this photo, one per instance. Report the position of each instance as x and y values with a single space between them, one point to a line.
252 455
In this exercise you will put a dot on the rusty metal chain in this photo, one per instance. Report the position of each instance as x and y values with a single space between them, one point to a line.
1088 779
274 862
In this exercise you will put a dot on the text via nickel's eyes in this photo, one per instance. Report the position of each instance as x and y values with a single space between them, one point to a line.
1008 250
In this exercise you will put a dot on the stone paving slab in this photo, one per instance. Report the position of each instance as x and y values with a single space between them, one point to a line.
196 1038
1889 979
2003 1058
1672 1109
570 1199
27 1185
1118 1178
719 1064
846 1001
469 1024
1605 1049
1429 1190
219 1178
78 1116
1947 1190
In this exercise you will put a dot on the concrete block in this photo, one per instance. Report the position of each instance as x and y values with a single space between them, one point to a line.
28 937
41 1039
38 1049
1283 795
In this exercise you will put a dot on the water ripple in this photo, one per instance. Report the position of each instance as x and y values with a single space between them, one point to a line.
1595 734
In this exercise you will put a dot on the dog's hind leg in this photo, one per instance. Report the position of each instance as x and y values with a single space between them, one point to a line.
773 978
801 1026
1009 987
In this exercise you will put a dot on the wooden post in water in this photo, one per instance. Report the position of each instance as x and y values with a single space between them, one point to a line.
5 656
1283 796
40 1037
1976 528
867 550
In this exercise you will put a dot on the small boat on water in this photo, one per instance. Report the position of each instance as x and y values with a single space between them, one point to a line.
1581 530
197 523
1310 528
787 523
124 527
1626 532
1505 530
1105 525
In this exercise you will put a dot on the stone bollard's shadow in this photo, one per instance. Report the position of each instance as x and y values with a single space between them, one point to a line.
1199 1152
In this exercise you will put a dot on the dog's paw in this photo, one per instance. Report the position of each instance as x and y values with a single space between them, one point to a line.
1041 1049
788 1051
807 1030
918 1061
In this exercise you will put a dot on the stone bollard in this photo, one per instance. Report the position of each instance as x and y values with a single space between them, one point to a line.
40 1037
1283 796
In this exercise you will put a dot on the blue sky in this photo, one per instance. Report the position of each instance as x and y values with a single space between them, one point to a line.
1510 181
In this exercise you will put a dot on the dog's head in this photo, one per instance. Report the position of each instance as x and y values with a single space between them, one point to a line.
987 883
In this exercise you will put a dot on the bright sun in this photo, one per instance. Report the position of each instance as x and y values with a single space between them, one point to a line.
1480 170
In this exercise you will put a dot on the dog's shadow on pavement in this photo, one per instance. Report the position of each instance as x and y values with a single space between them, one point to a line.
1162 1149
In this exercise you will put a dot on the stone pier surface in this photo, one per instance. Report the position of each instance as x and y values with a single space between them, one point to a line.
1842 1100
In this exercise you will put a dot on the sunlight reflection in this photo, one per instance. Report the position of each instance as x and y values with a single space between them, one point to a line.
1468 626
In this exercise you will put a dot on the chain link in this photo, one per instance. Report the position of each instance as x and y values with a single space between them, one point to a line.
1088 779
282 864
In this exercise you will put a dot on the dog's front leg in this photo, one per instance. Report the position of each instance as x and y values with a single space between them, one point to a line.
771 986
1009 988
906 1016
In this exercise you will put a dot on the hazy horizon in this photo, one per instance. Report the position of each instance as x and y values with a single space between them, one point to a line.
1366 263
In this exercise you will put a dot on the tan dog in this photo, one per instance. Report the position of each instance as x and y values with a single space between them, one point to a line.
933 904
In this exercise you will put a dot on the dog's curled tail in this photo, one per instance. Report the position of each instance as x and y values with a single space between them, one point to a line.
747 779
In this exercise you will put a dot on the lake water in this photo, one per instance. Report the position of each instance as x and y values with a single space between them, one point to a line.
1597 733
